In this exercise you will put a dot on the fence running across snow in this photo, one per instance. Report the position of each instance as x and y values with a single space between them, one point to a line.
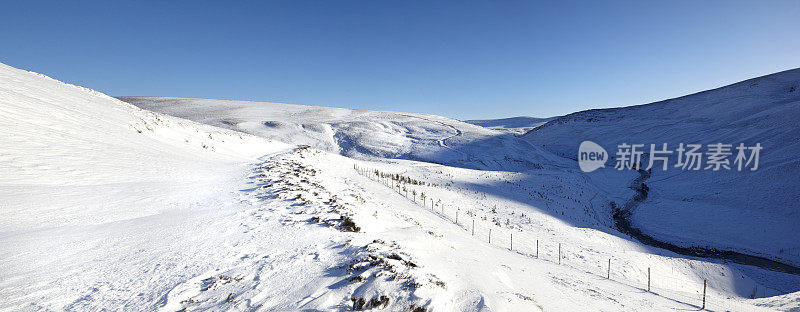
619 267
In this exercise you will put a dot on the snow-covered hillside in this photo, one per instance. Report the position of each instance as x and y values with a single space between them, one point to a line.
96 193
360 133
105 206
755 212
515 125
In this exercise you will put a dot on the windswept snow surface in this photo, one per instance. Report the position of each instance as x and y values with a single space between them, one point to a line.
109 207
105 205
754 212
360 133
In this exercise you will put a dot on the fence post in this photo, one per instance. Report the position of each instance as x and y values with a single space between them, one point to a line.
456 216
490 236
512 241
608 276
704 295
473 227
537 249
648 279
559 253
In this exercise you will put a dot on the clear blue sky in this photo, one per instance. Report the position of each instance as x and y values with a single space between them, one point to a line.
462 59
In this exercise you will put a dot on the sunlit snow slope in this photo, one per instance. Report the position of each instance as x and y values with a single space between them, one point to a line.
360 133
754 212
109 207
102 201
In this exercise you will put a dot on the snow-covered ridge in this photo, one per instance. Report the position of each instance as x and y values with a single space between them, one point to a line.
753 212
360 133
46 115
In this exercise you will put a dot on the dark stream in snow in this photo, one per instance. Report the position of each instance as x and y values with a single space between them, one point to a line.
623 224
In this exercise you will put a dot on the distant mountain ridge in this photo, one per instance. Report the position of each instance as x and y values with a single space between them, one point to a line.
517 125
361 133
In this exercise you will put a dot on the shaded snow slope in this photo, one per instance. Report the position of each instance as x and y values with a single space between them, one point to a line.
753 212
360 133
516 125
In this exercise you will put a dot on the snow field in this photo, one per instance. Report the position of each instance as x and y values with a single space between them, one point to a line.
672 277
109 207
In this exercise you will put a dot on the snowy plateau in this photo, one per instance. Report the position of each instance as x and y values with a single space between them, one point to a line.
178 204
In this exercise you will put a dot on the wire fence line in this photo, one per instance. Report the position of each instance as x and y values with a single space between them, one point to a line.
681 288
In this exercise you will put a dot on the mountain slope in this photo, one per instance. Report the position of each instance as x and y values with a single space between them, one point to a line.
102 201
360 133
756 212
109 207
57 136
